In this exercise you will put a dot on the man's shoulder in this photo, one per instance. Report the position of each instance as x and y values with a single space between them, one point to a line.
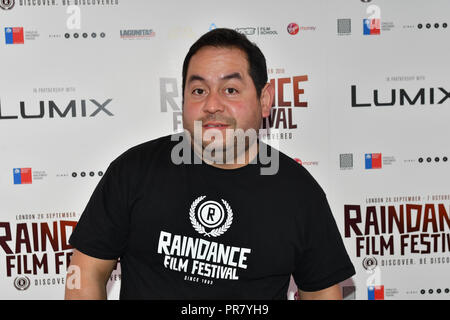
151 154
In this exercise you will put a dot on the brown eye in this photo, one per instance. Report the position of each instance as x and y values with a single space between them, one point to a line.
231 91
198 91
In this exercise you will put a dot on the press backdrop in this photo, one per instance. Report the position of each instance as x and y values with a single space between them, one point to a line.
362 101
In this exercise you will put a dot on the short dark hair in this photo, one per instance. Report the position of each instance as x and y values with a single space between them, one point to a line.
228 38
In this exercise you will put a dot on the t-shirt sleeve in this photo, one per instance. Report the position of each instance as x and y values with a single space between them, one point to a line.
102 229
322 260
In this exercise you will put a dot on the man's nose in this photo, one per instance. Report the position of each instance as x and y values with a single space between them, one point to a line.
213 103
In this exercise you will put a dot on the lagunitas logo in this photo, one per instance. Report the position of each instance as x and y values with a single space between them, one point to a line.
288 96
132 34
51 109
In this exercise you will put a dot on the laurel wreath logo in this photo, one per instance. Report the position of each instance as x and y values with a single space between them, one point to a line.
201 229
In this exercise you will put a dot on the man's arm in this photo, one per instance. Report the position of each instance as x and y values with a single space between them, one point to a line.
331 293
91 274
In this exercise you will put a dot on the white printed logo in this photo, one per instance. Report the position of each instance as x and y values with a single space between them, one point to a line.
211 216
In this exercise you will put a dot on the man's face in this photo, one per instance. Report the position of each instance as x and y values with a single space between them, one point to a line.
220 93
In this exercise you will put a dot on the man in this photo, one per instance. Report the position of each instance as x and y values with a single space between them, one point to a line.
214 226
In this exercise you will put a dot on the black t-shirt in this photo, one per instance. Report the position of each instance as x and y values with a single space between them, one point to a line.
194 231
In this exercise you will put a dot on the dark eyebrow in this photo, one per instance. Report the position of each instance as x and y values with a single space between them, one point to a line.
195 77
235 75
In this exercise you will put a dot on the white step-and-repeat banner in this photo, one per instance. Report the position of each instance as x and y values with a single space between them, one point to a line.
362 101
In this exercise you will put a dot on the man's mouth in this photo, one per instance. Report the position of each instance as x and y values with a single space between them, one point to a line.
216 125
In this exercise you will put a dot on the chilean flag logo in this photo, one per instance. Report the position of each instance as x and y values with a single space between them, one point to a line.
22 175
14 35
375 293
373 160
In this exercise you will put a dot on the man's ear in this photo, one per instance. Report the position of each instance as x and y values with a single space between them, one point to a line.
266 99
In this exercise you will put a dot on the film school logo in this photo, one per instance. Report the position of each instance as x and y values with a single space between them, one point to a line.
210 215
6 4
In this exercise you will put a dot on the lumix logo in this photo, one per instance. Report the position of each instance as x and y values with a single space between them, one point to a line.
422 96
73 109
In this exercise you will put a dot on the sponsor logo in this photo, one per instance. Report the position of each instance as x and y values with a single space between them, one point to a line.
17 35
375 293
260 31
422 96
344 26
22 175
430 159
373 161
372 24
14 35
137 34
27 175
84 174
266 31
346 161
77 35
306 163
247 31
293 28
72 108
434 291
436 25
